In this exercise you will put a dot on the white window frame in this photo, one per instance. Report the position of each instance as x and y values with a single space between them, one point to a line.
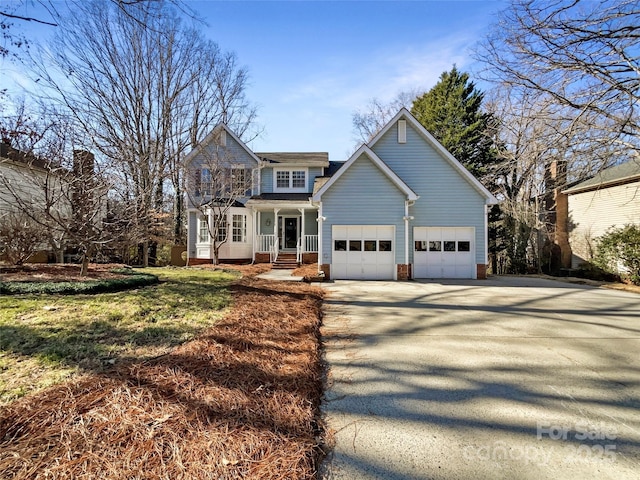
206 186
247 179
290 187
221 234
203 230
239 231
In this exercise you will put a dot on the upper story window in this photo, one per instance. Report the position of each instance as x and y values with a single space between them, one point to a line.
234 181
298 179
240 181
291 180
283 179
206 182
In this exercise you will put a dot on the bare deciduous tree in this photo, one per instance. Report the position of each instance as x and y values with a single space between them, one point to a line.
542 148
375 115
583 56
144 88
20 237
53 185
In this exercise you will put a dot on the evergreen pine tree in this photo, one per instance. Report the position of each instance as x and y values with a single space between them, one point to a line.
452 112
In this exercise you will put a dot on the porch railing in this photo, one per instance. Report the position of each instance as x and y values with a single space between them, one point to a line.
310 243
265 243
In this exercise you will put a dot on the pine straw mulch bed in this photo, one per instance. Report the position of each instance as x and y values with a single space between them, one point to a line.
240 401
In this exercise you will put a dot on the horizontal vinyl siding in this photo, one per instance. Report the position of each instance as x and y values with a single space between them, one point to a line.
313 173
591 214
233 153
192 233
446 198
311 222
363 195
266 185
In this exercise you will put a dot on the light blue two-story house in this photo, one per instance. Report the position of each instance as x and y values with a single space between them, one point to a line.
401 207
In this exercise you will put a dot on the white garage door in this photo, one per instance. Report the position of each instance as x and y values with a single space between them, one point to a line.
363 252
443 252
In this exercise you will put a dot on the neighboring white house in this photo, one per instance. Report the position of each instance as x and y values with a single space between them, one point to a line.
401 207
608 200
21 177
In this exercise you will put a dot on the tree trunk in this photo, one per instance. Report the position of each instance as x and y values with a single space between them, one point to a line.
178 208
145 254
84 266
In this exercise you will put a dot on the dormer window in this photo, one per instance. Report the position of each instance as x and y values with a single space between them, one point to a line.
298 179
291 180
283 177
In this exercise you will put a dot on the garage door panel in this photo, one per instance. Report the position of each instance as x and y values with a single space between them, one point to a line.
444 252
362 253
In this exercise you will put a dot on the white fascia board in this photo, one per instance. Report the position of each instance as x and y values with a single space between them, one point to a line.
292 165
383 167
193 153
600 186
271 204
490 199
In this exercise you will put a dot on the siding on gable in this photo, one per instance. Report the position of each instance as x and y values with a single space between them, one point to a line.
363 195
233 153
592 213
446 198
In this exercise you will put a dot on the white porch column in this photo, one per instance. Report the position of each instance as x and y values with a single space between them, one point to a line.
275 225
304 248
256 223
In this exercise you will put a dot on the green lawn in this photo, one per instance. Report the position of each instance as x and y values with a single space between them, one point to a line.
46 338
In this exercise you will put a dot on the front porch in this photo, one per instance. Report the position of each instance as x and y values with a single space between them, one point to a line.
286 231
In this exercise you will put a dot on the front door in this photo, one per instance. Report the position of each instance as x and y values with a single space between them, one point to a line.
290 232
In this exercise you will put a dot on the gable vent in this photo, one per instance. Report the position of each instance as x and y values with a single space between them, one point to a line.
402 131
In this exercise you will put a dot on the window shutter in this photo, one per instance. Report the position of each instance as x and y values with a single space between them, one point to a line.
198 182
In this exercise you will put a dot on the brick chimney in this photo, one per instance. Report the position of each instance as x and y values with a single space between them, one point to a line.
557 209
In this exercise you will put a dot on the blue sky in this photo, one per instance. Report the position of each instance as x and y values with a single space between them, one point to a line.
313 63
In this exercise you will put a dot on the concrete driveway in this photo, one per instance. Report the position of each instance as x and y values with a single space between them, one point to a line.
512 377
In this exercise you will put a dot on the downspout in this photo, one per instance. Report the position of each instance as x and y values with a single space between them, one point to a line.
406 218
256 222
320 225
486 239
406 232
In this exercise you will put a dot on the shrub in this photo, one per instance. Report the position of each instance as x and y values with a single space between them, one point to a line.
75 288
20 238
618 251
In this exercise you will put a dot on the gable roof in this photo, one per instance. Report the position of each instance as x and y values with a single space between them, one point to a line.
383 167
309 159
208 139
609 177
430 139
